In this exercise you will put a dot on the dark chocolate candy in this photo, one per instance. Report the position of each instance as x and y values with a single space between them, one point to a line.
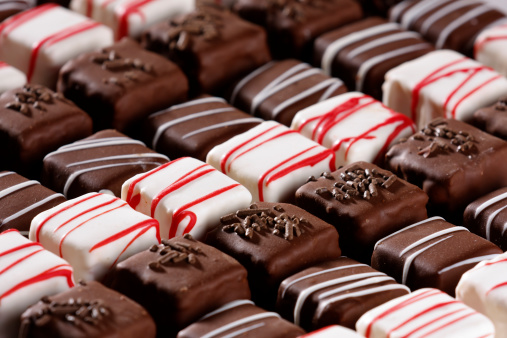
361 53
195 127
121 84
33 122
335 292
493 119
432 253
180 281
11 7
274 241
378 7
453 162
21 200
241 318
101 162
364 203
279 89
213 46
87 310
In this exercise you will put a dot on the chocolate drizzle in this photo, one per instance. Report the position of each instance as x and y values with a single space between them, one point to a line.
296 9
173 252
33 97
113 62
247 221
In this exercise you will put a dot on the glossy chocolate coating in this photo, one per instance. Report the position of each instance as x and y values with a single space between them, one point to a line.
122 84
87 310
493 119
178 286
270 257
361 220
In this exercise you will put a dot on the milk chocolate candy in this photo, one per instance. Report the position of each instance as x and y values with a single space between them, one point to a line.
493 119
11 7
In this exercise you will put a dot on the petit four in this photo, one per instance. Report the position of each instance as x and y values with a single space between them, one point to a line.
492 119
10 77
489 48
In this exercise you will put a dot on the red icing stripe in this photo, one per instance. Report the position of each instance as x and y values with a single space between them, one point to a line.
123 15
9 25
453 113
83 213
3 64
8 231
478 46
450 323
21 260
20 247
500 285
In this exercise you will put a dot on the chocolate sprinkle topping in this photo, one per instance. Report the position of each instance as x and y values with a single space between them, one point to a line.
33 97
172 252
295 9
113 62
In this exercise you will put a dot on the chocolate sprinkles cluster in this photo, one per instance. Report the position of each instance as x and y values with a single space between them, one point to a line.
172 253
33 96
246 221
113 62
295 9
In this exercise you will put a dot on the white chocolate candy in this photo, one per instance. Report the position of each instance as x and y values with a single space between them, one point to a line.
333 331
484 288
424 313
39 41
27 273
271 160
490 46
441 84
10 77
185 196
94 232
131 17
355 126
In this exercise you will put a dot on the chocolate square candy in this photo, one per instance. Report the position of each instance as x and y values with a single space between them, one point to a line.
364 203
195 127
241 317
431 253
279 89
453 162
361 53
179 281
492 119
33 122
121 84
11 7
213 46
274 241
99 163
21 200
10 77
87 310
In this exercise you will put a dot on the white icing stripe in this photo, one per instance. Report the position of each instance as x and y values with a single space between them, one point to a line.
29 208
76 174
310 91
247 79
246 329
240 322
468 261
13 5
408 227
355 285
490 220
395 37
163 127
92 141
94 145
221 125
17 187
489 202
228 306
430 237
370 291
395 12
330 90
6 173
366 66
119 157
444 34
418 10
448 9
336 46
196 102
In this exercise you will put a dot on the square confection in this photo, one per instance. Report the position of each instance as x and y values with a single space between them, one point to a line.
122 84
424 313
99 163
361 53
431 253
493 119
441 84
195 127
179 281
364 203
448 24
11 7
274 241
33 122
87 310
489 48
21 200
39 41
453 162
10 78
271 160
213 46
355 126
131 17
279 89
241 317
483 289
335 292
27 273
93 233
186 196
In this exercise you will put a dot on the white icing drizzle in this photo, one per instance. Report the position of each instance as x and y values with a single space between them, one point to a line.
6 173
240 322
395 37
448 9
7 5
29 208
467 261
490 221
248 78
228 306
163 127
17 187
418 10
92 141
120 157
221 125
105 142
246 329
327 94
364 282
430 237
489 202
196 102
395 11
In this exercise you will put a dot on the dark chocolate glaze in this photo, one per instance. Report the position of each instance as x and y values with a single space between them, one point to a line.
453 162
120 85
87 310
438 262
11 7
270 253
378 7
252 10
178 286
493 119
361 220
33 122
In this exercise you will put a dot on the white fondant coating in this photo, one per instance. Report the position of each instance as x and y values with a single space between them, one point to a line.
490 46
333 331
10 78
